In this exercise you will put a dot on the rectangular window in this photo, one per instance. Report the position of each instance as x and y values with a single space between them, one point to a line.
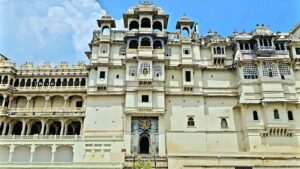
284 71
290 115
79 104
103 49
102 74
122 51
132 71
188 76
297 51
255 115
250 71
186 51
168 52
157 71
145 98
269 69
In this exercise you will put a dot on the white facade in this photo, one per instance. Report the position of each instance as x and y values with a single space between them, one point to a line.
180 100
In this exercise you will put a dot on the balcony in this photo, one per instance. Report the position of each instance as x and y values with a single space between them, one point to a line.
218 55
144 110
54 88
40 137
145 51
46 109
264 50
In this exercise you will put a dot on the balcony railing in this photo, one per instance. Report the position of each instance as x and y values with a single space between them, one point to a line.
281 52
264 50
42 88
47 109
40 137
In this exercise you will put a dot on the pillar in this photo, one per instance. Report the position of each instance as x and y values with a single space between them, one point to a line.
10 100
28 100
10 129
66 99
47 99
11 150
31 152
4 100
62 127
28 128
161 136
43 127
23 127
53 153
4 128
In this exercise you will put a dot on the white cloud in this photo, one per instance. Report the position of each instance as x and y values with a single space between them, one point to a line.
48 22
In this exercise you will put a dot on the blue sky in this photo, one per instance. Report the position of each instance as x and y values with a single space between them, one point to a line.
59 30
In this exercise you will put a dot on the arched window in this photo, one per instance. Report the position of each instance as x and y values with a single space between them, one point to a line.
36 128
157 44
5 80
17 128
133 44
145 68
82 83
34 83
219 50
290 115
146 23
276 114
70 82
105 31
52 82
270 73
76 82
255 115
0 79
40 83
224 124
58 82
145 41
16 84
157 26
22 83
28 82
134 25
46 82
185 33
65 82
190 122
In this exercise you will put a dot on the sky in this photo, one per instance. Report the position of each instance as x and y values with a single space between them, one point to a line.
53 31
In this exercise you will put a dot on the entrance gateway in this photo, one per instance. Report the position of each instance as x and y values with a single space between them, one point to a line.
144 135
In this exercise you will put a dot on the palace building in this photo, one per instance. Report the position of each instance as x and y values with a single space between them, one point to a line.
179 99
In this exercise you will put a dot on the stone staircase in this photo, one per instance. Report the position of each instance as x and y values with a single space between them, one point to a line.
156 162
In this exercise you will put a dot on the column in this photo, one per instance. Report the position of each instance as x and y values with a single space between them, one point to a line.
81 127
62 127
11 150
161 136
4 128
43 127
66 128
10 129
10 100
4 100
28 100
47 99
23 127
66 99
28 128
31 152
47 129
53 153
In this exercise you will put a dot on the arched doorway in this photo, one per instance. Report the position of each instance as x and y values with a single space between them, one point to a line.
144 143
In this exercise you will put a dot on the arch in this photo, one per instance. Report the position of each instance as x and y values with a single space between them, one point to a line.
34 83
224 123
276 114
57 101
144 143
36 128
219 51
133 44
42 153
74 128
16 83
52 82
17 128
46 82
145 41
4 153
76 83
38 102
22 83
40 83
145 23
63 153
157 26
65 82
74 101
19 102
83 82
191 122
134 25
58 82
28 83
54 128
5 80
21 154
71 82
157 44
105 31
11 82
185 32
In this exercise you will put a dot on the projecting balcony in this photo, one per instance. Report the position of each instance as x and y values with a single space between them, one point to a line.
104 38
281 52
264 50
5 87
145 51
52 88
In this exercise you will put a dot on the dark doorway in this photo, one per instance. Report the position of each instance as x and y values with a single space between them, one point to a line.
144 144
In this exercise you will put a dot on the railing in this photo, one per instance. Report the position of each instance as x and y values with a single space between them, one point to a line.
281 52
50 88
47 109
41 137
